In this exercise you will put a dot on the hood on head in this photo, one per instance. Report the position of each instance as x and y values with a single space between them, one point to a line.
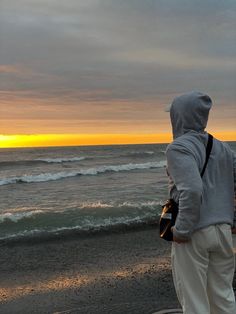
189 112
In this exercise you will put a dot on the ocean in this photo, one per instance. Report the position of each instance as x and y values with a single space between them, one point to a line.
54 191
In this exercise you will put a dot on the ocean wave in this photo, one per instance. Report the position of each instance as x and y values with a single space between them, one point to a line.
32 162
89 227
44 177
126 204
138 154
15 217
109 223
13 163
60 160
18 216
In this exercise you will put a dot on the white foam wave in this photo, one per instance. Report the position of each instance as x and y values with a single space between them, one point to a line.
126 204
88 225
91 224
44 177
60 160
97 204
15 217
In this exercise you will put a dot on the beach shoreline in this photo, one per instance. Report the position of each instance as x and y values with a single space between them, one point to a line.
115 272
125 272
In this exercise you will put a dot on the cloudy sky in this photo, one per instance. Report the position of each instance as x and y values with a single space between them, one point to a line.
111 66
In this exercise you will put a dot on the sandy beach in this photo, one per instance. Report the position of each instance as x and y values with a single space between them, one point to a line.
126 272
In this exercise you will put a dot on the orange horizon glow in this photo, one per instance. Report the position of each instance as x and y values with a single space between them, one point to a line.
49 140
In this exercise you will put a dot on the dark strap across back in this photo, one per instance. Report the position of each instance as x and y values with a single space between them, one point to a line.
208 152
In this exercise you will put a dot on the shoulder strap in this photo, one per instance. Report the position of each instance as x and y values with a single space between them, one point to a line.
208 152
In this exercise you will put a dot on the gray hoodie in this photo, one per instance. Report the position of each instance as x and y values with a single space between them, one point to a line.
202 201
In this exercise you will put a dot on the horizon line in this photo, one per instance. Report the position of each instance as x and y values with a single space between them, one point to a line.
93 139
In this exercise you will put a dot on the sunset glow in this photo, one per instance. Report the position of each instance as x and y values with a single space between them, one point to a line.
97 72
44 140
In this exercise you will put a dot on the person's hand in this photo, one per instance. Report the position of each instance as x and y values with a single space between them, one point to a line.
234 230
178 240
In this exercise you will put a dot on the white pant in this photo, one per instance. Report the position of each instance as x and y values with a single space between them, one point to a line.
203 271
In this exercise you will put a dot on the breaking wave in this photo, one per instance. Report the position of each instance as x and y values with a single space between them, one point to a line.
60 160
44 177
89 226
15 217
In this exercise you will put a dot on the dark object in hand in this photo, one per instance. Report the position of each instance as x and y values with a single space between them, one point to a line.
167 219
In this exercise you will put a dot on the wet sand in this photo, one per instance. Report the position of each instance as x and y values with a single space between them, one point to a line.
121 273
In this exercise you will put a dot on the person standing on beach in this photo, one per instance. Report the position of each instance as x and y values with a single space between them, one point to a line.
202 249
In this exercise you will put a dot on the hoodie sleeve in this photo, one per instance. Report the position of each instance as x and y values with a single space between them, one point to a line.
183 170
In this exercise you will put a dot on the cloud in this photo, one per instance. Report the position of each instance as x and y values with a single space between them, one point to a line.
5 68
115 54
